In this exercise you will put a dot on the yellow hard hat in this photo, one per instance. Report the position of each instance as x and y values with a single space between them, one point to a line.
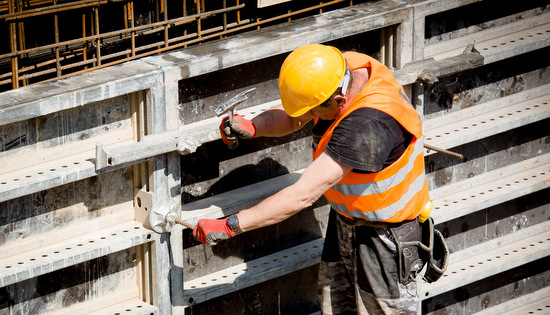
309 76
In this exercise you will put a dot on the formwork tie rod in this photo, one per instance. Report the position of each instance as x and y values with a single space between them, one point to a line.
444 151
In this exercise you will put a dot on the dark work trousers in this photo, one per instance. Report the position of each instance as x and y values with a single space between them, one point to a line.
358 272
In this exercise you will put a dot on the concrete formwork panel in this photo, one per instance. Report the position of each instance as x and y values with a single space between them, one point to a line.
65 288
180 88
481 295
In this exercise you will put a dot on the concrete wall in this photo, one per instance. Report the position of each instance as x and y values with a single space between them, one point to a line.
75 233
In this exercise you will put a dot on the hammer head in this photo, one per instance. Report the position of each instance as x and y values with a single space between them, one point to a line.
162 214
234 101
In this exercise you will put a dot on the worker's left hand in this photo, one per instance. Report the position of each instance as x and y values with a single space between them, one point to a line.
241 127
210 231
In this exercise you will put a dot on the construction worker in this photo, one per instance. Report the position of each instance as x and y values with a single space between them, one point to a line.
367 161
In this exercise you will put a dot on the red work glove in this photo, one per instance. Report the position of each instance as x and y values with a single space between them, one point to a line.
210 231
240 127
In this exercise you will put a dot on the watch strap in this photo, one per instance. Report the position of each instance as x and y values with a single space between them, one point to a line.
233 223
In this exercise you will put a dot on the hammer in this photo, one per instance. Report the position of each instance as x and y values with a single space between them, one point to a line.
229 106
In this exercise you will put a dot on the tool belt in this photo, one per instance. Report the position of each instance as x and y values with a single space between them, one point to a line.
424 249
418 248
362 222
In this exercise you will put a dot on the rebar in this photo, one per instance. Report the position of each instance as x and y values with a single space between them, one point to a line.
63 57
444 151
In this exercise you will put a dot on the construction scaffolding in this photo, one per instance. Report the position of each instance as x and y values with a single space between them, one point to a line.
53 39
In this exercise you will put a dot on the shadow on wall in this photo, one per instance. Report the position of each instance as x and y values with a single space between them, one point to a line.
240 177
201 260
214 169
71 285
480 85
302 227
66 126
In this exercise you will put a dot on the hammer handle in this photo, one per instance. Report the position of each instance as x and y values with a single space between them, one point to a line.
186 224
235 143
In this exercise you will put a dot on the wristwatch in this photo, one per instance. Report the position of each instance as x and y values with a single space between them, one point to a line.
233 223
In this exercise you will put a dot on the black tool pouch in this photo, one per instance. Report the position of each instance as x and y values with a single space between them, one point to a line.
439 258
416 250
410 256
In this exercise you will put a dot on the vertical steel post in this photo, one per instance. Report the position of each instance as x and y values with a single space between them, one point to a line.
184 14
84 46
238 13
56 31
199 35
125 17
166 26
13 45
132 24
224 16
98 40
21 34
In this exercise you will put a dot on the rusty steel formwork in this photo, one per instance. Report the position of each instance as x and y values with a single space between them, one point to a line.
51 39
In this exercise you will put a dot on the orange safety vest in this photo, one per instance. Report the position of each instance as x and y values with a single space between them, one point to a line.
399 191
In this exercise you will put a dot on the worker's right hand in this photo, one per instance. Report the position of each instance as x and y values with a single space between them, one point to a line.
239 127
209 231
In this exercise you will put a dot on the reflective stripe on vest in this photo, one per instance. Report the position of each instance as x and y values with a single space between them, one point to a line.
386 212
383 185
397 192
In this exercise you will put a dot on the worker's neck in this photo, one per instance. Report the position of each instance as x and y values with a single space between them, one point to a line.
360 77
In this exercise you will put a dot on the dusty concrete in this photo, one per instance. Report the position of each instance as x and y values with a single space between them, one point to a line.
272 297
459 21
183 87
100 277
492 291
200 95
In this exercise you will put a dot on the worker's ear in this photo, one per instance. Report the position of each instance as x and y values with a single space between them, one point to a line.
340 100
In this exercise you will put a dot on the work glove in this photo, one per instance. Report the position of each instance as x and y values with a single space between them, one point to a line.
239 127
210 231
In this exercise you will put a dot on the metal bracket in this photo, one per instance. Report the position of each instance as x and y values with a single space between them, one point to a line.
102 158
143 205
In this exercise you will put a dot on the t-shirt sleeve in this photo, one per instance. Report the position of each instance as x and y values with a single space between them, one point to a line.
365 140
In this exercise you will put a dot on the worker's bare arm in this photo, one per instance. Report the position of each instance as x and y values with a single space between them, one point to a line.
322 174
276 123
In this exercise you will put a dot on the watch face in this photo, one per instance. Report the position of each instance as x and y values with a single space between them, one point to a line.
233 221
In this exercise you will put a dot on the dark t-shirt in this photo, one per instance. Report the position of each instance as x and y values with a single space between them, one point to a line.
368 140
